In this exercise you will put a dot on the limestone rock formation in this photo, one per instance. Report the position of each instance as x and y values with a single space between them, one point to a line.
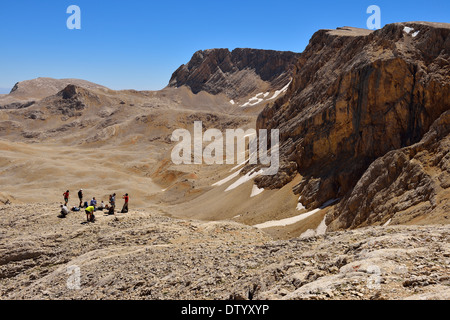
237 73
43 87
405 185
355 96
145 255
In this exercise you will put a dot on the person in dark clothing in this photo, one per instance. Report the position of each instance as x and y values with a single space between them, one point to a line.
80 196
112 202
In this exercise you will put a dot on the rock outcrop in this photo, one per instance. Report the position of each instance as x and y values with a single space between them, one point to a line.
237 73
355 96
144 255
405 185
71 101
43 87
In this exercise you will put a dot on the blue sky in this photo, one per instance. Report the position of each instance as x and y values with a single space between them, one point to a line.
138 44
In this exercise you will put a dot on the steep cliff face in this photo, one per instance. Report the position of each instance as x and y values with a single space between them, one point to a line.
355 96
409 185
237 73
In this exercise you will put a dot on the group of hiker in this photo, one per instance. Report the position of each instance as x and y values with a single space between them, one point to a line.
93 206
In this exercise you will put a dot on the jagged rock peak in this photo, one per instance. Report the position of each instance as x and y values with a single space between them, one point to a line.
236 73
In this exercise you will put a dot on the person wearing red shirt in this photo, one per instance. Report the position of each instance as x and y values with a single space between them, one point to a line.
125 206
66 197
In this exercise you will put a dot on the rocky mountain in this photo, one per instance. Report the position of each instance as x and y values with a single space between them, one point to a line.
236 74
355 96
26 93
43 87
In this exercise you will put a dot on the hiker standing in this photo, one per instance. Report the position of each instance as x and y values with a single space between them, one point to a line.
66 197
80 196
125 205
112 202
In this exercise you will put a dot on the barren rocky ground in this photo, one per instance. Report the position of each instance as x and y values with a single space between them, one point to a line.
146 255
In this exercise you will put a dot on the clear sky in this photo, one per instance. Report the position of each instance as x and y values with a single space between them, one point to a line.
139 43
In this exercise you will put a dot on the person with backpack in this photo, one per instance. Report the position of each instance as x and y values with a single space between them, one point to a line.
66 197
125 205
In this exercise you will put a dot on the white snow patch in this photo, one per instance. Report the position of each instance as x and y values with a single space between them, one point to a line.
249 176
278 92
252 102
256 191
287 221
292 220
408 29
229 178
300 206
387 223
308 233
239 165
232 102
320 230
256 99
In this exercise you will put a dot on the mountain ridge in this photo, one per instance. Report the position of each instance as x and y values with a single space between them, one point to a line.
237 73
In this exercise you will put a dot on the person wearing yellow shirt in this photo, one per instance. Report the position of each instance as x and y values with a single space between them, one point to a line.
90 213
